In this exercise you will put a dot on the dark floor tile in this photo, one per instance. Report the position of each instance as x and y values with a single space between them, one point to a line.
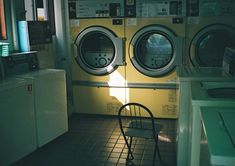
112 160
117 150
118 145
86 144
115 155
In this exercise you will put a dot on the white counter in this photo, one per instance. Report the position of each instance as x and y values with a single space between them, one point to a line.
186 76
200 98
219 126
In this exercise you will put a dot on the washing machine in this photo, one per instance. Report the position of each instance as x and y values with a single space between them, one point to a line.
154 47
212 150
49 94
17 120
209 31
50 104
98 71
188 74
208 94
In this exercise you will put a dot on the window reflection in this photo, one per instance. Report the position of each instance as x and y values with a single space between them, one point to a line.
153 51
97 50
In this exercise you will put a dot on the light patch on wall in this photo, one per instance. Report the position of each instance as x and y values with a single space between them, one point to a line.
116 79
118 93
116 82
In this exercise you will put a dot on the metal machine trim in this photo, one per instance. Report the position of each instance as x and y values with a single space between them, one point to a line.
175 42
195 41
118 47
129 85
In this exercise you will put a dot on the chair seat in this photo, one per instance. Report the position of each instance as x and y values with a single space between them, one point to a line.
132 132
143 130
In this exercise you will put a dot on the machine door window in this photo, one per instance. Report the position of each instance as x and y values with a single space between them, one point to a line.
99 51
208 46
153 51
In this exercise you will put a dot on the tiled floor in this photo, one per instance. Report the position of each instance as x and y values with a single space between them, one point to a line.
97 140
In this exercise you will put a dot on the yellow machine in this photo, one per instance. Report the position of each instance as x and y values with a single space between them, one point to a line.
98 65
206 39
154 46
106 76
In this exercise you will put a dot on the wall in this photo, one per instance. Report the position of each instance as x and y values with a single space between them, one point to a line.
52 55
46 55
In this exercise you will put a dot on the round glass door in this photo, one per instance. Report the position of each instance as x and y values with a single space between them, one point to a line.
97 50
208 46
153 52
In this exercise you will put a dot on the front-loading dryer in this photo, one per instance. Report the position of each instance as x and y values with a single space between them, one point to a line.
209 32
154 47
98 70
99 50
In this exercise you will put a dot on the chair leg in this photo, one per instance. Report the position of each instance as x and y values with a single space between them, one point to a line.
129 149
154 155
156 150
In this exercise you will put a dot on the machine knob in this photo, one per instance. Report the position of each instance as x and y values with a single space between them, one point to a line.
102 61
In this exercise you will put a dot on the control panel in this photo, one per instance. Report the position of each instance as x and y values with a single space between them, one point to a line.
96 8
99 59
152 8
126 8
210 7
19 63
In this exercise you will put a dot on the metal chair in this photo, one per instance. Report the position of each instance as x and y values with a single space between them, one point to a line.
136 120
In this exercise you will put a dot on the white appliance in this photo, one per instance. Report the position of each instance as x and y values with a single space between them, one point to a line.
186 76
210 94
49 86
17 120
218 125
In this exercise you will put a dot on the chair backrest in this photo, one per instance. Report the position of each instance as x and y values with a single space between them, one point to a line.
136 116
